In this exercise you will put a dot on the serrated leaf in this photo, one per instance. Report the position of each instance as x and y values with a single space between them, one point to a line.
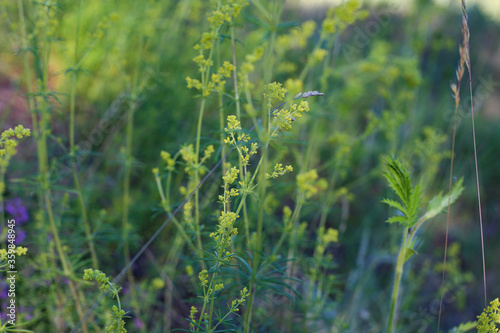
394 204
415 203
397 219
439 203
399 179
464 327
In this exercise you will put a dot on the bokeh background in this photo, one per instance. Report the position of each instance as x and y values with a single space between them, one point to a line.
400 59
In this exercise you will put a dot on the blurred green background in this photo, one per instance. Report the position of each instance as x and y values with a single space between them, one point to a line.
402 58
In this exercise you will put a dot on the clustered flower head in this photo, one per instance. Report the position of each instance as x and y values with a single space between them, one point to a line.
19 252
294 86
189 156
326 238
279 171
46 18
317 56
225 230
98 276
8 139
225 14
192 314
309 184
489 320
165 156
274 92
244 293
339 18
118 324
229 178
282 119
247 66
297 38
234 138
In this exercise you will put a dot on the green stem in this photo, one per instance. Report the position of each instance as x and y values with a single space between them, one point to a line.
126 179
397 281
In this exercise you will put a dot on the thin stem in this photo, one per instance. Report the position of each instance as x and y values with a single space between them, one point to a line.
467 62
448 212
478 192
127 172
397 281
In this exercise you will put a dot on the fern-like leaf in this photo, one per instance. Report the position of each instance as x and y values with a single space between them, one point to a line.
399 179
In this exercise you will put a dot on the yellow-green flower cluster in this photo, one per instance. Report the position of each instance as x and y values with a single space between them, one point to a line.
309 184
207 153
279 171
294 86
192 315
165 156
216 82
158 283
118 324
233 126
287 218
229 178
244 293
225 14
274 92
8 139
297 38
19 252
317 56
324 239
188 214
250 59
203 277
489 320
98 276
46 22
283 118
338 18
246 153
225 231
189 156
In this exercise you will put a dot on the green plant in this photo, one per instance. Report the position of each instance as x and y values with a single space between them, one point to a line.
118 314
409 206
489 320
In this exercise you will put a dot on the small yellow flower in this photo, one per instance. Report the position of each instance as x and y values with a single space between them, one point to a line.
158 283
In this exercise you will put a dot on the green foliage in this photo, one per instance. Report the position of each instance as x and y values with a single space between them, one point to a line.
439 203
398 178
464 327
105 285
270 201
